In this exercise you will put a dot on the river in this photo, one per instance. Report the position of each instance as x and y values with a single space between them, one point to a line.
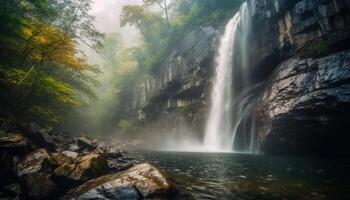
245 176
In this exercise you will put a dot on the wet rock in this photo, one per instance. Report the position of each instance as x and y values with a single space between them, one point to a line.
71 154
119 164
61 141
116 161
61 159
85 143
114 153
41 137
38 185
305 107
73 147
14 143
86 167
140 181
37 161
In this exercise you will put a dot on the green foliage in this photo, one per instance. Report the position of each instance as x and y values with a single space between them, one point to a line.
43 74
47 99
316 49
160 36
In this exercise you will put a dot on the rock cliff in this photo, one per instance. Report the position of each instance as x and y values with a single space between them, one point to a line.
298 72
301 60
177 93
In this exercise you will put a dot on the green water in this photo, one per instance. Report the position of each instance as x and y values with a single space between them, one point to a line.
244 176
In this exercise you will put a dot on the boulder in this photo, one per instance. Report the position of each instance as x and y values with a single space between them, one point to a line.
14 143
304 108
140 181
61 159
38 185
85 143
120 163
114 153
61 141
73 147
86 167
71 154
41 137
37 161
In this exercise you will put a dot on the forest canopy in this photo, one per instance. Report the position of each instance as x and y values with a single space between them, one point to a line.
43 72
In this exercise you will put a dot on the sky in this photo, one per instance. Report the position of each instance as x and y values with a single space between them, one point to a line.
107 13
107 20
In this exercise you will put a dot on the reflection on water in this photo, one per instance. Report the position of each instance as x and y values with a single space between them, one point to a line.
244 176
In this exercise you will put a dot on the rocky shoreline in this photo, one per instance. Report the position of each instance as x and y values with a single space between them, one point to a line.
38 163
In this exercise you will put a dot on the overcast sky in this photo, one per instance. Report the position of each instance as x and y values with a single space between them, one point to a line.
107 14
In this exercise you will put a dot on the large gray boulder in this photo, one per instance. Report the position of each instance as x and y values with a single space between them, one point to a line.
139 182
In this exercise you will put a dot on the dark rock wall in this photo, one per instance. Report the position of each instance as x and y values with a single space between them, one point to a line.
304 109
283 28
181 87
297 94
299 51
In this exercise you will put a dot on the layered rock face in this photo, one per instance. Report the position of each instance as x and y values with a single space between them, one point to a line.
281 29
179 89
301 58
304 109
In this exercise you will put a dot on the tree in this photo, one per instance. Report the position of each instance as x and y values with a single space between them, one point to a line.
146 21
43 73
163 4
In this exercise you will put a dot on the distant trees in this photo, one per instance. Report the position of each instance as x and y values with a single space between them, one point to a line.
163 4
43 72
159 33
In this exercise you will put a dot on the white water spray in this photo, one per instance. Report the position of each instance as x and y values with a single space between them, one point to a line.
221 130
219 126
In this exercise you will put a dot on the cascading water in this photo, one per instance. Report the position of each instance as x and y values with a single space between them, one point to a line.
219 126
222 126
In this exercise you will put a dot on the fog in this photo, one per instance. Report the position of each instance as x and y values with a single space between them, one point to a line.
93 118
107 20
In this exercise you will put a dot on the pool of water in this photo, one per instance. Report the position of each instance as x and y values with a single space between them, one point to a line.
244 176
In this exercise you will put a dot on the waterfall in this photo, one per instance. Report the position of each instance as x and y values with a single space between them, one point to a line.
222 125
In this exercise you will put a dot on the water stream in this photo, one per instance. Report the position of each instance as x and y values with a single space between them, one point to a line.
224 176
222 126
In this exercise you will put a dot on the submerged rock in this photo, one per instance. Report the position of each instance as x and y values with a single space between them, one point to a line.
140 181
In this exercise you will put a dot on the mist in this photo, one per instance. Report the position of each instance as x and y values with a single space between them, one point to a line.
96 117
